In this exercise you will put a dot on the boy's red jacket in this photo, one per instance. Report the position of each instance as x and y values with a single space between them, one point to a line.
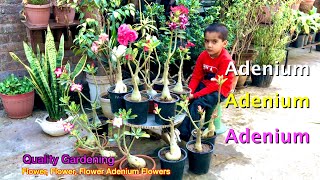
207 66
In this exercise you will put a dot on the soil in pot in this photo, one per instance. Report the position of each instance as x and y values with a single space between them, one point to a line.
209 139
138 108
116 99
151 164
117 160
159 86
168 108
199 163
176 167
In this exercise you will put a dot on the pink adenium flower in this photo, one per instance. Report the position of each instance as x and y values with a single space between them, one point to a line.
103 37
68 127
95 47
117 122
173 26
183 26
200 110
76 87
183 19
58 72
126 34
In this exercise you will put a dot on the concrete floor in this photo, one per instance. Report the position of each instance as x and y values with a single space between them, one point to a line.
231 161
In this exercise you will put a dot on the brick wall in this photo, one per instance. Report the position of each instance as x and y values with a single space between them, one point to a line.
12 34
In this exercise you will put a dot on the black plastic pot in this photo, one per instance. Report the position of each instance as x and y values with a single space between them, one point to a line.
317 47
116 99
262 80
187 93
159 86
128 82
168 109
299 41
199 163
317 38
176 167
210 139
138 108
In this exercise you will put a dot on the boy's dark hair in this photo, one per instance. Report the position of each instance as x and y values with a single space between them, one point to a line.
219 28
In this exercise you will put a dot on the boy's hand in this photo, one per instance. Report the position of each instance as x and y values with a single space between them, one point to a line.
191 96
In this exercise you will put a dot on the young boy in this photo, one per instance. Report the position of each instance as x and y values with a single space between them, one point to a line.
213 61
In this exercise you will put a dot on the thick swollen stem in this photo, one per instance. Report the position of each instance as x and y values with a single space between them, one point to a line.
198 146
136 162
120 86
175 152
106 153
166 92
179 87
136 95
91 140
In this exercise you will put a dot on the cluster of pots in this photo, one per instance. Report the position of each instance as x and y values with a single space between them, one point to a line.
199 163
39 15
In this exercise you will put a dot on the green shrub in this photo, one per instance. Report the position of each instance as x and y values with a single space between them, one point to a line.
12 85
38 2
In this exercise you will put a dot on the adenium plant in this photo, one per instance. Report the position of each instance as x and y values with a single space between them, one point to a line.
176 26
184 55
120 120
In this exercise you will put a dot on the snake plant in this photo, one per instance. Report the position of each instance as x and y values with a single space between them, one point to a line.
42 73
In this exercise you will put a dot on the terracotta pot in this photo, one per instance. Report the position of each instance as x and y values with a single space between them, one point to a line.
83 151
306 5
64 14
18 106
37 15
151 164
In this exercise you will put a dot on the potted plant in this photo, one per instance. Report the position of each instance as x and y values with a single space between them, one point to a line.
136 162
209 133
17 96
271 42
37 12
64 11
199 153
177 25
242 25
172 157
89 140
95 36
44 70
306 5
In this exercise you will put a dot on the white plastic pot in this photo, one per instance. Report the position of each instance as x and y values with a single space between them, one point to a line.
106 106
102 86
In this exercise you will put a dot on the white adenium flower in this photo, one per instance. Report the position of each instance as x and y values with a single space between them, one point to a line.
118 52
117 121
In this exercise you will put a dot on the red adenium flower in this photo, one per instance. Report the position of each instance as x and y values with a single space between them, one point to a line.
189 44
173 26
129 57
126 34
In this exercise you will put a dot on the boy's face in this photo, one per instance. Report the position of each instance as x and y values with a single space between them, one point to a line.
214 44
